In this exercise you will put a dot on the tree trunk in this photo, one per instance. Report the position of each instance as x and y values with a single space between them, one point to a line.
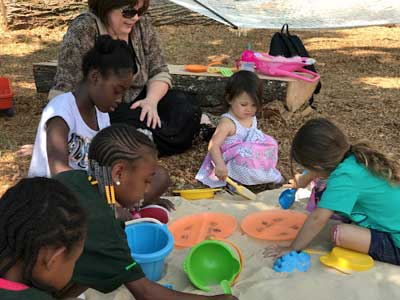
3 15
24 14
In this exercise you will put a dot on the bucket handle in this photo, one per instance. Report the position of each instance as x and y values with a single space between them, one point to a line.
140 220
239 252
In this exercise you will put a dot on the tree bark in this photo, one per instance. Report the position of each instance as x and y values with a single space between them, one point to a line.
23 14
3 15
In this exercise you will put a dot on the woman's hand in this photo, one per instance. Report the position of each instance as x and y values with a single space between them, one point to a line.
221 171
149 110
276 251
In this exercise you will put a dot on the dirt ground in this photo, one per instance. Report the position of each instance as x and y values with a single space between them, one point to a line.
359 71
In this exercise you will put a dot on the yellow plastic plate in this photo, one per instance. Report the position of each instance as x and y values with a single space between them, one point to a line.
347 261
196 194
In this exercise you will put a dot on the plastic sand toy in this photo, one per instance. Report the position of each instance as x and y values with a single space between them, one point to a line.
347 261
292 261
192 229
150 243
281 66
6 96
213 262
195 194
273 225
286 198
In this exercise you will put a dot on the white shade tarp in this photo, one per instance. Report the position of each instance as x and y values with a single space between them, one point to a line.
298 13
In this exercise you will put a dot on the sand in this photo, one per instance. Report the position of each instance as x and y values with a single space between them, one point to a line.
258 280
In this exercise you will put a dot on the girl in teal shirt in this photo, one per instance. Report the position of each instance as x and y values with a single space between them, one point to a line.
363 185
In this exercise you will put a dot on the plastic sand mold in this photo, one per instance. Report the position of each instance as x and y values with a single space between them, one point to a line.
200 68
347 261
292 261
273 225
192 229
196 194
213 262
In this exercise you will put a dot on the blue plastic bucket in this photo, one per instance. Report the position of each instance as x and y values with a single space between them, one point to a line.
150 244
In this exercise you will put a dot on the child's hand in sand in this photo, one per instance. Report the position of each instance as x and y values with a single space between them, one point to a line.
276 251
25 150
301 180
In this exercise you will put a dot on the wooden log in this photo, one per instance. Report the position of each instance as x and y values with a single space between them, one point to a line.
44 74
208 87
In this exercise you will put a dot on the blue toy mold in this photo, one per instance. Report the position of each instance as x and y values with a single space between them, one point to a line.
286 198
291 261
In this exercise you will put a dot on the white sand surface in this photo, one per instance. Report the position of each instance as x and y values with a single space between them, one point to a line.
258 280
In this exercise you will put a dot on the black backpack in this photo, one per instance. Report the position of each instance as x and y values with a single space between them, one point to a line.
288 45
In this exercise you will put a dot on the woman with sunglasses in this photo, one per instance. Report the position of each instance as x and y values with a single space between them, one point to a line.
171 118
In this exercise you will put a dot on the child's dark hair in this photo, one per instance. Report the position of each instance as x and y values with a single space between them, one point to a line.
114 143
244 82
108 55
34 213
321 143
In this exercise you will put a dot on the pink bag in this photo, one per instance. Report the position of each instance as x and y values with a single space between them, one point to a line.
281 66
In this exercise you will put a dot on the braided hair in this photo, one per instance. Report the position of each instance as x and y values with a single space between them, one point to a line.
34 213
113 143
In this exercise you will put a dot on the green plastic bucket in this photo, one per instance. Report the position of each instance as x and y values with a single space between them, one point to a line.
212 262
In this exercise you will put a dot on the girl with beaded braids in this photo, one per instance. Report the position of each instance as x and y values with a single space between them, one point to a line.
122 166
363 185
42 231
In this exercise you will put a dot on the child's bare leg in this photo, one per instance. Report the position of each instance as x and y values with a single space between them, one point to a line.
159 185
352 237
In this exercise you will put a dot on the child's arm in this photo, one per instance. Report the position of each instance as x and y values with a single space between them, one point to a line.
301 180
57 145
315 222
144 289
224 129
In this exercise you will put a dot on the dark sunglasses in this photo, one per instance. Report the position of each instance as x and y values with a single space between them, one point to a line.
130 12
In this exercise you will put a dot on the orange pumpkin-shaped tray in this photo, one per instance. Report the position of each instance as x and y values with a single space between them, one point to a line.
273 225
192 229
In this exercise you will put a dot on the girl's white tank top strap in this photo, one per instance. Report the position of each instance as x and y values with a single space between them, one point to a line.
239 126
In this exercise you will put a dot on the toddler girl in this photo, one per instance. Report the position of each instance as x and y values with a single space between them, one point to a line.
238 149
